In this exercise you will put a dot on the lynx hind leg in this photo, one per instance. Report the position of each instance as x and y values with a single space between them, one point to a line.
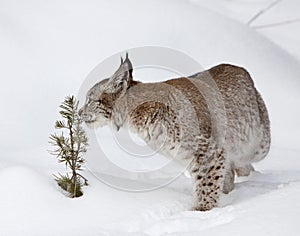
244 170
228 184
208 175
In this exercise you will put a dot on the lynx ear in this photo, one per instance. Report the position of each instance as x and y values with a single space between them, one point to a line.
122 78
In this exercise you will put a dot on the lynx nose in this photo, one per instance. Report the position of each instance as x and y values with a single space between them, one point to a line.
80 111
87 117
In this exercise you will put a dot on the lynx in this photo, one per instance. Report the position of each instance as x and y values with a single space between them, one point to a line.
215 122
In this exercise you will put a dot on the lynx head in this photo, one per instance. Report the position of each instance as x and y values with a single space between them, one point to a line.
101 98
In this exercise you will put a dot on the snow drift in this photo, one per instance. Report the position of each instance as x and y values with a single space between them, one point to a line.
47 50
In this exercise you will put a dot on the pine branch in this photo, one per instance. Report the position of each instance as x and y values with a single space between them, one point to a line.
85 180
287 22
60 124
263 11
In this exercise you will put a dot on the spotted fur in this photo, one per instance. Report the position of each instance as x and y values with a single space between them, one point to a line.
214 122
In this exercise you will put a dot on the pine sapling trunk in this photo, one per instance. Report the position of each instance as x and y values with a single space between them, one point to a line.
73 157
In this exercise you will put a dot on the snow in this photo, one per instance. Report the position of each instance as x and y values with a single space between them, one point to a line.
280 21
48 49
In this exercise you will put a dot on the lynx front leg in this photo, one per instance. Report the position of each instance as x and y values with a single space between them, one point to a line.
208 174
244 170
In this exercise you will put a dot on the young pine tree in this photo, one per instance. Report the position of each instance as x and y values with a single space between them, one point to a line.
70 146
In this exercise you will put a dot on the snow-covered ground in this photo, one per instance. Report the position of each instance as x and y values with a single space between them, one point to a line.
278 20
47 50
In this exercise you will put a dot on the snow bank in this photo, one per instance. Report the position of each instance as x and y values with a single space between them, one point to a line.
47 49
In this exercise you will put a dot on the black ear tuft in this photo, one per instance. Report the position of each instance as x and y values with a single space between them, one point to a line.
128 64
122 60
